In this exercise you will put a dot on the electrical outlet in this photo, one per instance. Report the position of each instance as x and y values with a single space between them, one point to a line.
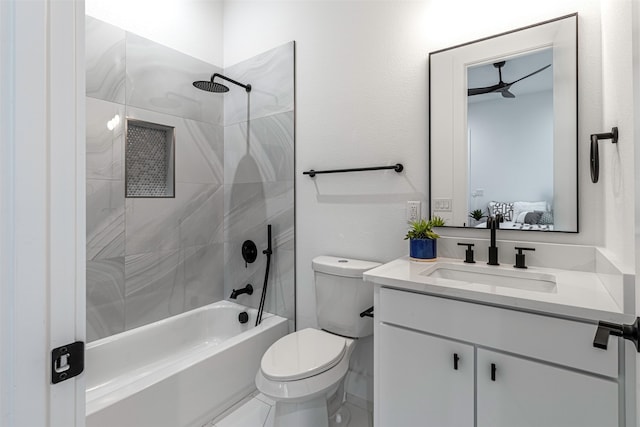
413 211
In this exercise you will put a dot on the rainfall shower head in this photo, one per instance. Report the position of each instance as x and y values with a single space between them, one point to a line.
211 86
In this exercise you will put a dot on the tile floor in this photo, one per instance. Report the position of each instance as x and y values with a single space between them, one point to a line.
257 411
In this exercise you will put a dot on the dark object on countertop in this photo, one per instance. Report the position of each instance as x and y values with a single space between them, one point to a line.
468 254
520 262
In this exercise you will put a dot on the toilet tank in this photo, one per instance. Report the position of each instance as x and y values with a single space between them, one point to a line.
341 295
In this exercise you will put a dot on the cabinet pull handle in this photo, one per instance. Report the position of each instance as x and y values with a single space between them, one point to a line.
456 358
493 372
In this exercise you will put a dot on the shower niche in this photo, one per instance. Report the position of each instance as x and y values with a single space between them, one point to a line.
149 160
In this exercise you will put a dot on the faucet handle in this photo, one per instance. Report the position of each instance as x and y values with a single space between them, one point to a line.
468 254
520 262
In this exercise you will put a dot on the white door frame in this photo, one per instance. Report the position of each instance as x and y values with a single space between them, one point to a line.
42 208
635 34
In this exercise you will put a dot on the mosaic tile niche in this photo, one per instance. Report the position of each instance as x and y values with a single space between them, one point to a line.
149 163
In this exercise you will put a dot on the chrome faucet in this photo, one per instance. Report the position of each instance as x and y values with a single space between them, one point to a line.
493 223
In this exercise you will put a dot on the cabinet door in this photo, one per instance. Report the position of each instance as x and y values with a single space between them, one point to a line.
419 384
525 393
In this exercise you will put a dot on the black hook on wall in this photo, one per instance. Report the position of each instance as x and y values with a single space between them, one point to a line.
595 156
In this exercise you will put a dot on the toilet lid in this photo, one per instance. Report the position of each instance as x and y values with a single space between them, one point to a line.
302 354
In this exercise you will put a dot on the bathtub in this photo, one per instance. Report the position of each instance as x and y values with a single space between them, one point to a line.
178 372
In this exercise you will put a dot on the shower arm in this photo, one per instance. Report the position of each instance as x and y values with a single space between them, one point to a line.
246 87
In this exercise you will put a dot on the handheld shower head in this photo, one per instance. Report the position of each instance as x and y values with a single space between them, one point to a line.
211 86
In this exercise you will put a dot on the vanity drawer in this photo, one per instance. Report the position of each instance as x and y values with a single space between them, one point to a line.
551 339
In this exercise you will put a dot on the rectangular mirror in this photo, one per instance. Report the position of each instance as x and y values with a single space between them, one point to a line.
503 132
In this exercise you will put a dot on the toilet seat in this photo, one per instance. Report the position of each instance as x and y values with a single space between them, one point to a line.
302 354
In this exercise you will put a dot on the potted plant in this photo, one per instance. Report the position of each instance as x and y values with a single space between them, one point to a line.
477 215
422 238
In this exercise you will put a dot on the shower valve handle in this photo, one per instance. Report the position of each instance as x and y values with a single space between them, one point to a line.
249 252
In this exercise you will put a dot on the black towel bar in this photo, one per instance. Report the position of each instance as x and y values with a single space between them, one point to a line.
397 167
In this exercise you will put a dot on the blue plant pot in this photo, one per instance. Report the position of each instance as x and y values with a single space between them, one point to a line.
423 248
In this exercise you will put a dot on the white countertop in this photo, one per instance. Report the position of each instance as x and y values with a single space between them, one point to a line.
577 294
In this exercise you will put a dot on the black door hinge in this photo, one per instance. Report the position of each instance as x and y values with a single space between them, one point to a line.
67 361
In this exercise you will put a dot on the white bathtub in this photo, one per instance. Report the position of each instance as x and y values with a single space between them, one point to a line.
178 372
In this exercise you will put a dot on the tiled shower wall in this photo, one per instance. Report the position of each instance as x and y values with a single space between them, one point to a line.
148 259
259 177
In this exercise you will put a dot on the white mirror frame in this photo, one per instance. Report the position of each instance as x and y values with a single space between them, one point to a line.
448 156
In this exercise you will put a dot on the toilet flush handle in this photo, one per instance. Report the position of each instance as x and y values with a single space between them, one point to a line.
368 312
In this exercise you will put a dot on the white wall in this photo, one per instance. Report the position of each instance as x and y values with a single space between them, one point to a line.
617 161
361 99
193 27
511 149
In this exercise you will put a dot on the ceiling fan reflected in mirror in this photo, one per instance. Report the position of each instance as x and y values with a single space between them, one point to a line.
501 87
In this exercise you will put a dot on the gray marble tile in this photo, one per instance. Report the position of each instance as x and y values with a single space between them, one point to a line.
105 60
153 290
193 218
181 253
237 273
199 146
162 284
280 291
204 282
105 298
250 207
161 79
251 414
271 75
105 219
280 285
105 147
260 150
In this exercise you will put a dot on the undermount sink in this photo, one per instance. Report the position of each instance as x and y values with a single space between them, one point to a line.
492 276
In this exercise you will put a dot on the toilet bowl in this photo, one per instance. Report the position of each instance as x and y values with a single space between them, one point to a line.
304 372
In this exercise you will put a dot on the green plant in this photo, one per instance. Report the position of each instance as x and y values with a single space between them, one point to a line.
477 214
436 221
423 229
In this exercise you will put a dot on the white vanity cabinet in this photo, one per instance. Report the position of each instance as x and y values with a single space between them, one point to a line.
424 378
527 393
514 368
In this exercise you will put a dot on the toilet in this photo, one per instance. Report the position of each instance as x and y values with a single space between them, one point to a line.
304 372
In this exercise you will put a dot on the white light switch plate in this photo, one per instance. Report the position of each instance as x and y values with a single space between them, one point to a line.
443 205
